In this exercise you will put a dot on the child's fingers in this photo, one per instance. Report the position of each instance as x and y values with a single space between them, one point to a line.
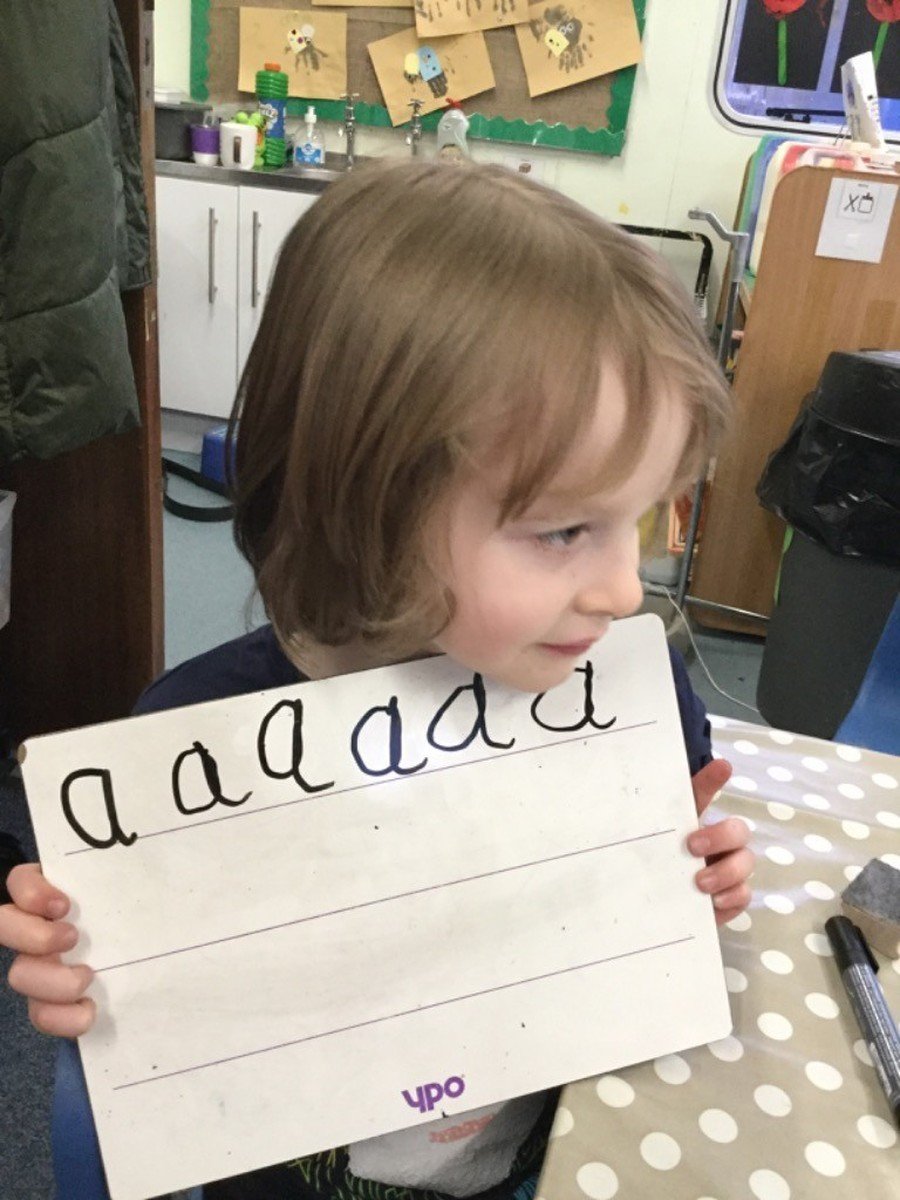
49 979
31 892
730 871
724 916
62 1020
721 838
733 899
709 781
27 934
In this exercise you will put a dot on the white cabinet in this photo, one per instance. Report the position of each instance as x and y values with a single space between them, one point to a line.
265 220
197 243
217 247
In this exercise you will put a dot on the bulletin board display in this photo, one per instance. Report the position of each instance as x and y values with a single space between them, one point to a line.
589 116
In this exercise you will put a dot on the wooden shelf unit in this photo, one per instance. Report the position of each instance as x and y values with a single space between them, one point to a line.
802 308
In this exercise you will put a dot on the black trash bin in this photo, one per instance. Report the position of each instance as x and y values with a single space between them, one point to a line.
836 482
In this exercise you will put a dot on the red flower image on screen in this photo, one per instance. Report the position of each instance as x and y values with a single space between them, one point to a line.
782 8
887 12
884 10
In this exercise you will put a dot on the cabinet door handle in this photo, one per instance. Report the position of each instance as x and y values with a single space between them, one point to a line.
211 264
254 262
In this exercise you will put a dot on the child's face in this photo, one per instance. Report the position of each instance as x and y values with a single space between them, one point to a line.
534 594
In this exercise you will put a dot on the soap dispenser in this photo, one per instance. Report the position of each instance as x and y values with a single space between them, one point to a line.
310 149
451 133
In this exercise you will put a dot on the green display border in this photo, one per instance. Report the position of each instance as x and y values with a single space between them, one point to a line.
608 141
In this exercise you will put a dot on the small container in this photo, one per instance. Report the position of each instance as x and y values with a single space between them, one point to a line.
238 145
310 148
205 141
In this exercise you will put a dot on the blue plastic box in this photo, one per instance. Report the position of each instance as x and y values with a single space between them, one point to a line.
212 458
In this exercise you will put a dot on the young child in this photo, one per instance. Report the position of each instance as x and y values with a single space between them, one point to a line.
464 393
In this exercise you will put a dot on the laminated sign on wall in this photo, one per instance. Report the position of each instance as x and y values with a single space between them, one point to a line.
311 907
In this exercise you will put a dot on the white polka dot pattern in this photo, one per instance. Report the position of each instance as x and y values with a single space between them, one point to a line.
825 1159
781 812
660 1151
727 1049
819 944
850 754
743 783
788 1106
780 774
735 980
817 765
822 1006
672 1069
876 1131
741 923
769 1185
817 843
776 1026
772 1100
742 746
824 1076
777 961
718 1125
780 855
813 800
615 1091
598 1181
563 1121
818 890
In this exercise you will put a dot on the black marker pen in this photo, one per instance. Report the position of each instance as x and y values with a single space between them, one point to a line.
857 968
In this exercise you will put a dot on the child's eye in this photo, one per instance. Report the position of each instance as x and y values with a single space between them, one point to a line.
560 539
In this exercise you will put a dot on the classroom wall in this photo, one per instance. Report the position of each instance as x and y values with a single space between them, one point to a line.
676 154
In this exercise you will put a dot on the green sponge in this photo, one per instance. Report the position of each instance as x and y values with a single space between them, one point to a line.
872 901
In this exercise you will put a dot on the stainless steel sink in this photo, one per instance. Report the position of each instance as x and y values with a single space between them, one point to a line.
335 167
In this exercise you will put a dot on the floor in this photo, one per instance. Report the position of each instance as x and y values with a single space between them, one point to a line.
209 598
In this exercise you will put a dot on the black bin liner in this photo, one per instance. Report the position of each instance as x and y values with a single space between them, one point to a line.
837 477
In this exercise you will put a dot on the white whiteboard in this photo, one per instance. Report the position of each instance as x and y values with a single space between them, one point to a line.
273 974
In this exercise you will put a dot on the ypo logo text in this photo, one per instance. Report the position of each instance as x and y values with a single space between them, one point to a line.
429 1094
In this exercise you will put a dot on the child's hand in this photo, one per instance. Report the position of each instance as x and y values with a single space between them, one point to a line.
729 863
31 926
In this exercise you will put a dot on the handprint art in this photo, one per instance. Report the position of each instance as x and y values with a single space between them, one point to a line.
564 36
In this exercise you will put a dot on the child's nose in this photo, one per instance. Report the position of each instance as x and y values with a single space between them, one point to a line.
619 594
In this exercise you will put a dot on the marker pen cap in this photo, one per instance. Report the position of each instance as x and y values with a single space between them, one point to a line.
849 945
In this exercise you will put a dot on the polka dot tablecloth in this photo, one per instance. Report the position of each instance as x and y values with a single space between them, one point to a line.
788 1106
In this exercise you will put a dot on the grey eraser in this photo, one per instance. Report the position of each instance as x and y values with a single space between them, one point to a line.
872 901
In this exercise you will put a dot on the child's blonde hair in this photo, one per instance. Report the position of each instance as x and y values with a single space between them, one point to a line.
414 307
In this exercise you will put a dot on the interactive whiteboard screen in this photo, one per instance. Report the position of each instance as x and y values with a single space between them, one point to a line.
312 909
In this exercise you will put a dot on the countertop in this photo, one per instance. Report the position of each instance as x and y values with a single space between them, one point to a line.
294 179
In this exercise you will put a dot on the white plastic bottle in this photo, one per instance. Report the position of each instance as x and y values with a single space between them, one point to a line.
451 133
310 149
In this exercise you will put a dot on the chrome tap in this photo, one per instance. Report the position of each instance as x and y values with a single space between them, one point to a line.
415 127
348 129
